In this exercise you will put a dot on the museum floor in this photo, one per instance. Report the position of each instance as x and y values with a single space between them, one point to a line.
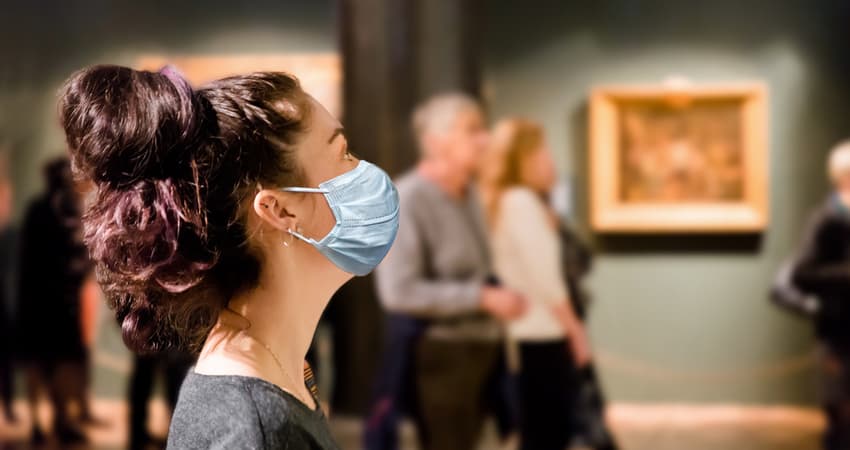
637 427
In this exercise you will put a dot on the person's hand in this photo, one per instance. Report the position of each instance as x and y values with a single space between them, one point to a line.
501 303
578 342
579 345
89 305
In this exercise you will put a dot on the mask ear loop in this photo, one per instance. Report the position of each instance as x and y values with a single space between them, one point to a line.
303 190
292 235
291 238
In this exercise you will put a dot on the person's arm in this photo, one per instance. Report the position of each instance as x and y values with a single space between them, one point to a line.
89 308
815 270
403 285
784 294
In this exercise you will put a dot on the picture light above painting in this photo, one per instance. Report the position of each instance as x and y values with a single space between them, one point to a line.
679 158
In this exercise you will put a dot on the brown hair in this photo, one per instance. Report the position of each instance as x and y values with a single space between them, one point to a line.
514 141
172 168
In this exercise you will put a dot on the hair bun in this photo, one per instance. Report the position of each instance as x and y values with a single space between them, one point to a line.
125 125
165 224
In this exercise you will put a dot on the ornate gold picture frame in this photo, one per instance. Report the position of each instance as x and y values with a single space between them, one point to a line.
679 159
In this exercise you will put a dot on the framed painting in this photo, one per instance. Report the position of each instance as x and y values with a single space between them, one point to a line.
320 73
679 159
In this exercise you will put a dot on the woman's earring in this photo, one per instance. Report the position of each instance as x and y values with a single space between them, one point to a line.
291 237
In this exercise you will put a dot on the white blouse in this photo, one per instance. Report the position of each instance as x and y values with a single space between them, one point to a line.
527 258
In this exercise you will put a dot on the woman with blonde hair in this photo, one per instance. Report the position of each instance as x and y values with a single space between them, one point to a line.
517 178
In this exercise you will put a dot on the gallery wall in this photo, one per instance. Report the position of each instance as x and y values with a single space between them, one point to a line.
42 43
685 318
47 41
676 319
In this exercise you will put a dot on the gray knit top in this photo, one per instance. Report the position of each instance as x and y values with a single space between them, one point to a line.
239 412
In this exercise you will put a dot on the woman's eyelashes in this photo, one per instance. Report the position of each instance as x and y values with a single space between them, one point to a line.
347 154
350 155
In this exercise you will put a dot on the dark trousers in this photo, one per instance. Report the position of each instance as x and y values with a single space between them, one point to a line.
6 375
58 380
174 369
453 379
6 382
394 393
548 385
80 378
835 376
503 398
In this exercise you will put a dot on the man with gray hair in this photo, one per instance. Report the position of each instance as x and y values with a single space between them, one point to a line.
444 308
821 272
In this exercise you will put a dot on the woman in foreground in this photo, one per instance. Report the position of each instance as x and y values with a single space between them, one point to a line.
223 220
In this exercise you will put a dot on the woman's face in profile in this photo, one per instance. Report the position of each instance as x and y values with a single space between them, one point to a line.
322 155
538 171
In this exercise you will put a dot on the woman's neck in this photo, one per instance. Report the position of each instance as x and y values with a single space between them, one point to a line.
266 332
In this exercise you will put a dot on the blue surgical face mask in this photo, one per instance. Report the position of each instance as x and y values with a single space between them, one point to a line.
365 205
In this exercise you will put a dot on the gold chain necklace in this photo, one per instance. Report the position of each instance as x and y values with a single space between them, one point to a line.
282 370
268 348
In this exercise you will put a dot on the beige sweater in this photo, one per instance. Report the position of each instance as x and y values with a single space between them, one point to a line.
526 257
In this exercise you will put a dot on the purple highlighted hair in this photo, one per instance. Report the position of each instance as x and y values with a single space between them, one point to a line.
173 168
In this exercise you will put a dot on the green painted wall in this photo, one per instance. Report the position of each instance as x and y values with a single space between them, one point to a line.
685 319
682 320
42 43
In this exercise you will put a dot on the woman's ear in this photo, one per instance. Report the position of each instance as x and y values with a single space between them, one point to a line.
271 206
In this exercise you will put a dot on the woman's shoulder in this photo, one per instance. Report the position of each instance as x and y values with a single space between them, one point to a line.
219 408
213 410
235 394
519 198
224 407
520 193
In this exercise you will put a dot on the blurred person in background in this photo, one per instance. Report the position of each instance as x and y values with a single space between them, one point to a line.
530 245
223 219
444 338
89 305
821 273
89 308
53 266
591 429
7 242
172 365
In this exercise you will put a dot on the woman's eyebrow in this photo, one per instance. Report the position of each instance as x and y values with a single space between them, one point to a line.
337 132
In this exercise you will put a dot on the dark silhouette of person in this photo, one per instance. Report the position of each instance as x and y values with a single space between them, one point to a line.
53 265
173 366
7 241
591 430
819 287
